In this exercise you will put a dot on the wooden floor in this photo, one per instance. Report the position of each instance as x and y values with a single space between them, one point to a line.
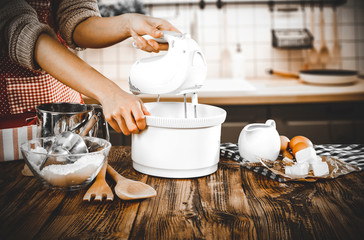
233 203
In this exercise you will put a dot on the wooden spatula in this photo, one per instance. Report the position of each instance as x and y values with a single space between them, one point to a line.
127 189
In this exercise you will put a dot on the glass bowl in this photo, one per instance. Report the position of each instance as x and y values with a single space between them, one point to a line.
65 172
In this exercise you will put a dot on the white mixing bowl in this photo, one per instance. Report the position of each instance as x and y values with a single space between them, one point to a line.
173 146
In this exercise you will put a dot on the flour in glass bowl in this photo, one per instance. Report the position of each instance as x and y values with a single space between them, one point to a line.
69 174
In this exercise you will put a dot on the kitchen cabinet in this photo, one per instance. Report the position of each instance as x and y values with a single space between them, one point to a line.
342 131
231 131
341 122
248 113
237 118
119 139
317 131
358 129
321 122
310 120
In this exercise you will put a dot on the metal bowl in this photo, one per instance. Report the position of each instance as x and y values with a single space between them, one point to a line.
55 118
61 174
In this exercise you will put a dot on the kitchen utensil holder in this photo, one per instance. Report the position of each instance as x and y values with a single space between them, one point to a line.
293 38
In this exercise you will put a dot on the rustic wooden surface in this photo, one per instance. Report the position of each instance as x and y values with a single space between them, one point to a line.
233 203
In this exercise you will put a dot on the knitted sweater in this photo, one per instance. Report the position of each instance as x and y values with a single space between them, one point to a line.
20 27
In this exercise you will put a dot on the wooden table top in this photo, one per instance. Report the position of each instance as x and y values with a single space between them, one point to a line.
232 203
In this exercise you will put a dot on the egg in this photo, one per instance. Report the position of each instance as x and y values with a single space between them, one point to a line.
284 142
299 146
299 139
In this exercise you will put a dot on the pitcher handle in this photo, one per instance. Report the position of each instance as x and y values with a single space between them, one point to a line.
271 122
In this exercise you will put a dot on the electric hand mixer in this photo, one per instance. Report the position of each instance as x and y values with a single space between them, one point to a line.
182 70
173 145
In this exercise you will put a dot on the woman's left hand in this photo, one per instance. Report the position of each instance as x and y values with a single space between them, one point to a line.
124 112
140 25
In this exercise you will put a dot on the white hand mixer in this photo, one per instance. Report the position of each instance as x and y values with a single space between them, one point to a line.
182 70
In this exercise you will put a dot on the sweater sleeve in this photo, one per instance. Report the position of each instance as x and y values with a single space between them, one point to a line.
20 29
72 12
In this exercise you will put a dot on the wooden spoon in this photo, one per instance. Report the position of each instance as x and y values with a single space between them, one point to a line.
336 49
324 51
127 189
313 54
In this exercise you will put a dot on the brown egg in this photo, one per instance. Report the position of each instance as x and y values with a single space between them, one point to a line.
284 142
299 139
287 154
299 146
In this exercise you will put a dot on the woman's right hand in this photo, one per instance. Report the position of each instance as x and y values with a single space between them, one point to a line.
140 25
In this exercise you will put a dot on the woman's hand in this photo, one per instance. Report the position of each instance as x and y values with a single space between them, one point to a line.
124 112
99 32
140 25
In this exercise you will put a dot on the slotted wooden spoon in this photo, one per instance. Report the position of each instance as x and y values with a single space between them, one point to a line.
127 189
336 48
324 50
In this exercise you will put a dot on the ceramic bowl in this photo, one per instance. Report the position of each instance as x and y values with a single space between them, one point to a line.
177 146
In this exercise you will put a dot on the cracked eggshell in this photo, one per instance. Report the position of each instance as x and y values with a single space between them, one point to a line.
298 169
307 154
320 169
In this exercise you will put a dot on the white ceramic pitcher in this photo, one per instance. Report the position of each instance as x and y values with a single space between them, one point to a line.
259 140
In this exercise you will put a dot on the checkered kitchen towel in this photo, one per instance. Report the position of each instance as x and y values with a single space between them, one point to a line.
348 153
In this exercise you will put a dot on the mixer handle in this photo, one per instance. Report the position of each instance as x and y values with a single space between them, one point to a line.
167 35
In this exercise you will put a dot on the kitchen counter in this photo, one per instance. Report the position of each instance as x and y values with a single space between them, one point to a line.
233 203
269 90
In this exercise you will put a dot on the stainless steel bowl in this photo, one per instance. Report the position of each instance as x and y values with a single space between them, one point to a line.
55 118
